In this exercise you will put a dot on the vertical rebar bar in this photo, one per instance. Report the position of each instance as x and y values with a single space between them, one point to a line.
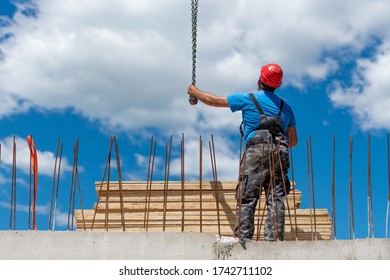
165 197
309 189
150 186
14 183
53 184
333 189
76 178
215 180
368 188
293 188
71 190
369 193
284 184
57 187
101 184
166 176
12 216
182 181
240 186
148 180
30 193
107 209
118 164
350 204
312 185
200 184
260 194
273 188
388 178
79 187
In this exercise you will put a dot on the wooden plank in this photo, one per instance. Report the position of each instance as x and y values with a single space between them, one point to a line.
183 211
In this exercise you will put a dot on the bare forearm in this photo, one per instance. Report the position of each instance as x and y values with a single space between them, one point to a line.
208 98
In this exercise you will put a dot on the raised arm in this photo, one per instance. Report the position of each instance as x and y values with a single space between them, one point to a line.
208 98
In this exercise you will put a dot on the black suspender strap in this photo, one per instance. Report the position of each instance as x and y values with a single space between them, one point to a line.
281 107
251 95
241 129
256 103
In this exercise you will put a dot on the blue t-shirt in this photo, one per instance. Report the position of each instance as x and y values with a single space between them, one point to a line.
269 102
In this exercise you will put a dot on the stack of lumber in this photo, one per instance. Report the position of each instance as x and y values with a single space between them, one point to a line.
190 207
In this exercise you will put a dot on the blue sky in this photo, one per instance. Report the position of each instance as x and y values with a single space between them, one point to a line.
95 69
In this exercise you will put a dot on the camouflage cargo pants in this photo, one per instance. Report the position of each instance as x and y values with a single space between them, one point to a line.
261 160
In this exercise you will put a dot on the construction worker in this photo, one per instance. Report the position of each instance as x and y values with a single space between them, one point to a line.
269 130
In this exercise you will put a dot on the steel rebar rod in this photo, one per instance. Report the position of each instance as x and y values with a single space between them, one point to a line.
273 189
30 194
388 177
284 185
239 185
368 189
79 187
200 184
166 176
107 209
147 180
312 186
293 188
101 185
240 189
260 222
333 190
71 190
215 180
165 185
350 204
12 218
14 183
52 186
118 164
76 177
57 188
309 189
150 186
182 181
369 193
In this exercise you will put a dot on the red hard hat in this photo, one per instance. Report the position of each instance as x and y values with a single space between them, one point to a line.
271 75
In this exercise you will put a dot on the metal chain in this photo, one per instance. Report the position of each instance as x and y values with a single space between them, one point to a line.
194 15
194 12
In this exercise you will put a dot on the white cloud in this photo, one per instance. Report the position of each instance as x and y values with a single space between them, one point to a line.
128 63
367 98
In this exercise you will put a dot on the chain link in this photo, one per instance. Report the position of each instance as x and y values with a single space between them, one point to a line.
194 15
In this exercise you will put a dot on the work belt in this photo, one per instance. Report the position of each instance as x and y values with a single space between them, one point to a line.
260 137
263 137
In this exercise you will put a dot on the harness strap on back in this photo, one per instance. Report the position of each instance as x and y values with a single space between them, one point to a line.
251 95
281 107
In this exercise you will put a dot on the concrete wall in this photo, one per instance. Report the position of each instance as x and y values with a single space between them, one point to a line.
72 245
